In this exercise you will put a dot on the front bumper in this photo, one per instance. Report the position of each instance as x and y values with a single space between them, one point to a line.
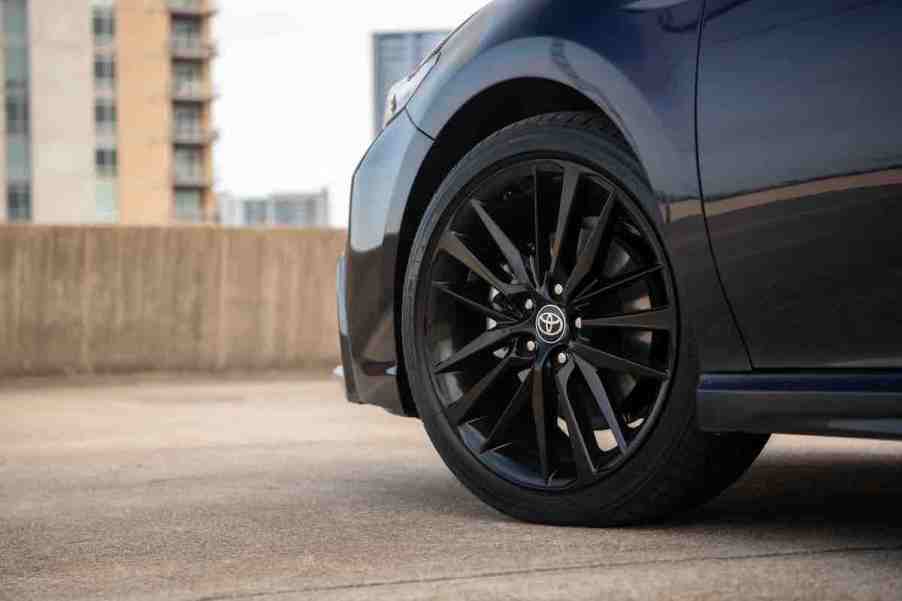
341 288
381 187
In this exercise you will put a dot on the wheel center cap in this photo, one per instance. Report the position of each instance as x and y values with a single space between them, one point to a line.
551 324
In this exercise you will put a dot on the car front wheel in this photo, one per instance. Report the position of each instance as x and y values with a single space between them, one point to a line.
543 337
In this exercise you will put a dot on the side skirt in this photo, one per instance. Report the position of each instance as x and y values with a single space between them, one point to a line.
863 404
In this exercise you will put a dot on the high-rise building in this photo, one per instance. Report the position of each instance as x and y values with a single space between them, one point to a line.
395 55
106 111
293 209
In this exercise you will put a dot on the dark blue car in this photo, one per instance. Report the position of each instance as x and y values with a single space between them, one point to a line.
603 249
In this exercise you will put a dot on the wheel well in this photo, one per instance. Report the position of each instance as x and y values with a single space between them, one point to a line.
488 112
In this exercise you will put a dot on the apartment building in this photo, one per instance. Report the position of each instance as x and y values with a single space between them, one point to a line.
107 111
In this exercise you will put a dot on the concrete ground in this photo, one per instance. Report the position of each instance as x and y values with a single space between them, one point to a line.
274 489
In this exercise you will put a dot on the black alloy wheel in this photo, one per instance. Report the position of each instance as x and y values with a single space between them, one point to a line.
543 339
552 323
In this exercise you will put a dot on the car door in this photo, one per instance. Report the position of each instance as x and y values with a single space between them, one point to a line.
800 149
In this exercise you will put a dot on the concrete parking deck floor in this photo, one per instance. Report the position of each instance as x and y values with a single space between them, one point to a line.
273 489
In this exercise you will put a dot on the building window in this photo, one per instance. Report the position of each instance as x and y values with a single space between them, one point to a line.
104 25
17 65
186 33
107 200
18 202
188 78
256 212
104 72
18 157
188 163
287 212
188 206
188 120
105 117
106 161
15 18
16 114
187 72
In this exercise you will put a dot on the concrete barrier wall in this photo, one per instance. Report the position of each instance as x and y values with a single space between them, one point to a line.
121 299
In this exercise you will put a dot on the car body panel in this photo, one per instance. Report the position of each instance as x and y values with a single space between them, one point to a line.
836 403
800 144
776 125
636 61
380 189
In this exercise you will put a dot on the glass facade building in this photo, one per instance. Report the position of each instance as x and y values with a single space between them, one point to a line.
105 111
17 110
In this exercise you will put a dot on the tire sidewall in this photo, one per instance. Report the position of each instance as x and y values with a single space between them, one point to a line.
607 500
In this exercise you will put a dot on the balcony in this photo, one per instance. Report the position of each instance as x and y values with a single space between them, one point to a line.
105 88
193 8
104 44
192 91
191 178
106 137
193 136
189 48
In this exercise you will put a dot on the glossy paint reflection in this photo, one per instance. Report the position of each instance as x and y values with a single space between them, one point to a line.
800 140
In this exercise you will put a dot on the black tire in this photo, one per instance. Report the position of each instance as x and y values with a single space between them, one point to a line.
672 467
730 455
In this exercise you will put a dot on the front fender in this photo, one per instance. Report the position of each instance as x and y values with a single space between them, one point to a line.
641 75
637 61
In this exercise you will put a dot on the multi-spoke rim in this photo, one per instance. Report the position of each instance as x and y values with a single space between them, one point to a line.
544 404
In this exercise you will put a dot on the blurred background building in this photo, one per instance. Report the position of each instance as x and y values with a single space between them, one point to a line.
299 209
396 55
106 111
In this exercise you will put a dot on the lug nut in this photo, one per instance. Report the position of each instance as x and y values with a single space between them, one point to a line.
558 289
531 346
562 358
579 323
529 304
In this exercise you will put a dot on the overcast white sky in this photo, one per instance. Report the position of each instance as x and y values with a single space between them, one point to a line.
295 78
